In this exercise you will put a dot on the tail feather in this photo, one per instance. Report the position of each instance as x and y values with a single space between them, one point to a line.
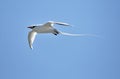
69 34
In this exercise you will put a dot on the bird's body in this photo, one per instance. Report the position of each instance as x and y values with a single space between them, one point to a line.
43 28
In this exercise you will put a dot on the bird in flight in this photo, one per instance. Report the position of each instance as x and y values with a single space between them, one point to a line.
47 27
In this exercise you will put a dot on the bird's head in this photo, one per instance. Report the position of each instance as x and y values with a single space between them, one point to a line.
31 27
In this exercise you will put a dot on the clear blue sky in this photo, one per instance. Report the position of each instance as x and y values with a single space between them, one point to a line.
60 57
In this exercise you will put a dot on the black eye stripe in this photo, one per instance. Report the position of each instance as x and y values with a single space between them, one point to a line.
34 26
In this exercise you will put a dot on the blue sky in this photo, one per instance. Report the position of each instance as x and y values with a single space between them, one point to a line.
60 57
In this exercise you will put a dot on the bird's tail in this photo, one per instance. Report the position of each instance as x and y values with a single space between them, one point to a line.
69 34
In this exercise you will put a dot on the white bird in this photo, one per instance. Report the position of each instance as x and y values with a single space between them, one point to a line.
47 28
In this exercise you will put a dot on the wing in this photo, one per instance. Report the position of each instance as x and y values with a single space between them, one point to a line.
51 23
31 37
61 23
48 24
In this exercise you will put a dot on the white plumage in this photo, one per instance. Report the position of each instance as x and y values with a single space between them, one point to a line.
47 28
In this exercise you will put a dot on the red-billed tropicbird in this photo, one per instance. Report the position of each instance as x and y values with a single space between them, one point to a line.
47 28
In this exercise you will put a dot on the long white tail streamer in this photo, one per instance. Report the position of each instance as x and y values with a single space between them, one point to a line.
69 34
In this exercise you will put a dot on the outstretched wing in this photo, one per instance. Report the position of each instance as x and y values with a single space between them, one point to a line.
48 24
31 37
51 23
61 23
